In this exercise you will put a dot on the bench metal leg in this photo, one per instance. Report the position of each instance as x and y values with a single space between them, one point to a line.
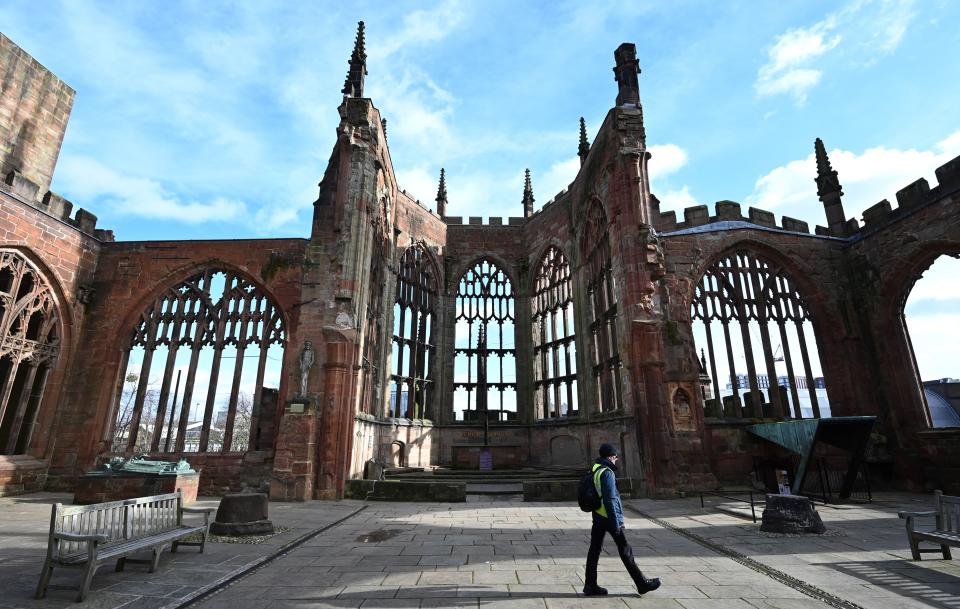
946 553
156 558
44 578
121 563
87 579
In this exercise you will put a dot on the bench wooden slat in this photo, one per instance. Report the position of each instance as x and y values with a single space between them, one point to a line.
131 525
946 532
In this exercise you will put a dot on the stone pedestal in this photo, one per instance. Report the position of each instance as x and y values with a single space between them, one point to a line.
294 463
100 486
791 514
242 514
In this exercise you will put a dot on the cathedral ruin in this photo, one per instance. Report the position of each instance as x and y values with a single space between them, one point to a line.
402 336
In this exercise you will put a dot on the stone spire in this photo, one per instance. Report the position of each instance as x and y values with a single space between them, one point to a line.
584 147
829 191
353 86
625 73
527 196
442 194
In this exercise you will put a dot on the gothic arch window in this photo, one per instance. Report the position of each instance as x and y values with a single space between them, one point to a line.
602 293
930 316
188 386
485 369
372 336
29 345
554 346
764 325
414 317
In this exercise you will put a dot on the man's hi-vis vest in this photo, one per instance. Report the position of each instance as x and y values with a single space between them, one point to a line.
597 472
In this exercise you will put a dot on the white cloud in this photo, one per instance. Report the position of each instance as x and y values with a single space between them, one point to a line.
867 178
666 159
93 183
867 28
676 200
557 178
419 28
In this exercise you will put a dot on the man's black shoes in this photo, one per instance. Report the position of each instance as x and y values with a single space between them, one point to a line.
598 591
648 585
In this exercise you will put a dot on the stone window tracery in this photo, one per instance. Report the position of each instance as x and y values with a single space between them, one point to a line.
602 293
414 317
194 402
371 346
29 345
485 351
554 345
757 305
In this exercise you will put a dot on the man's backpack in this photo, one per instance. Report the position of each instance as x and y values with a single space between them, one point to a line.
588 495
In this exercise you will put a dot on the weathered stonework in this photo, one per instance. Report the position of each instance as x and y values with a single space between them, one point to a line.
336 289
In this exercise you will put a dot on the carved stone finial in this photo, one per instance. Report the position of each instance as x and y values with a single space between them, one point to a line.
353 86
827 180
829 191
442 194
383 126
527 195
625 72
584 147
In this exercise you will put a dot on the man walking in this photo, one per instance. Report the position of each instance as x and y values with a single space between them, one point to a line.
608 518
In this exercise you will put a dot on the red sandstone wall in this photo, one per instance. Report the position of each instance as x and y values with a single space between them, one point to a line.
129 277
34 108
67 258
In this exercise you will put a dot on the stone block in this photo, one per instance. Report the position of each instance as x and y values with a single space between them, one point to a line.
668 221
948 174
697 215
453 219
242 514
57 206
516 221
795 226
96 487
476 220
21 185
876 214
763 217
85 221
791 514
729 210
913 194
496 221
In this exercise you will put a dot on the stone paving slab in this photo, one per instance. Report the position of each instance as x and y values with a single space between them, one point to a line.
537 559
864 557
504 555
25 524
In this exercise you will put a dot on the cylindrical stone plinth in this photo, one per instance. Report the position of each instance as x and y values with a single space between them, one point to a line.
242 514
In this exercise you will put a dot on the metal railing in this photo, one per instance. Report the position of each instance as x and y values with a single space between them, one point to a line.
753 511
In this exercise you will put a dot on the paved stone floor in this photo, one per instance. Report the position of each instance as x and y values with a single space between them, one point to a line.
25 523
504 554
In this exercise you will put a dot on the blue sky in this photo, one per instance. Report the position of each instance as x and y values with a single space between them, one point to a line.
199 119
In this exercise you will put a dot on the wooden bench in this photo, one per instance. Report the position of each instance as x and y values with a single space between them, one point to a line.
86 536
946 532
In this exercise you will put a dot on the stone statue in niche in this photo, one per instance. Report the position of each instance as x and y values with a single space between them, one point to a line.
307 357
682 415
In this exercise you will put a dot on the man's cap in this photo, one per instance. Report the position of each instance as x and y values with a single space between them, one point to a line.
608 450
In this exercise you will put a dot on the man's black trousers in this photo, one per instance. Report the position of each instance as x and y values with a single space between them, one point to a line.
601 528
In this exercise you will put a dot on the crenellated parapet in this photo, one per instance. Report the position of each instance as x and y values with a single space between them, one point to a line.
728 211
910 198
27 191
